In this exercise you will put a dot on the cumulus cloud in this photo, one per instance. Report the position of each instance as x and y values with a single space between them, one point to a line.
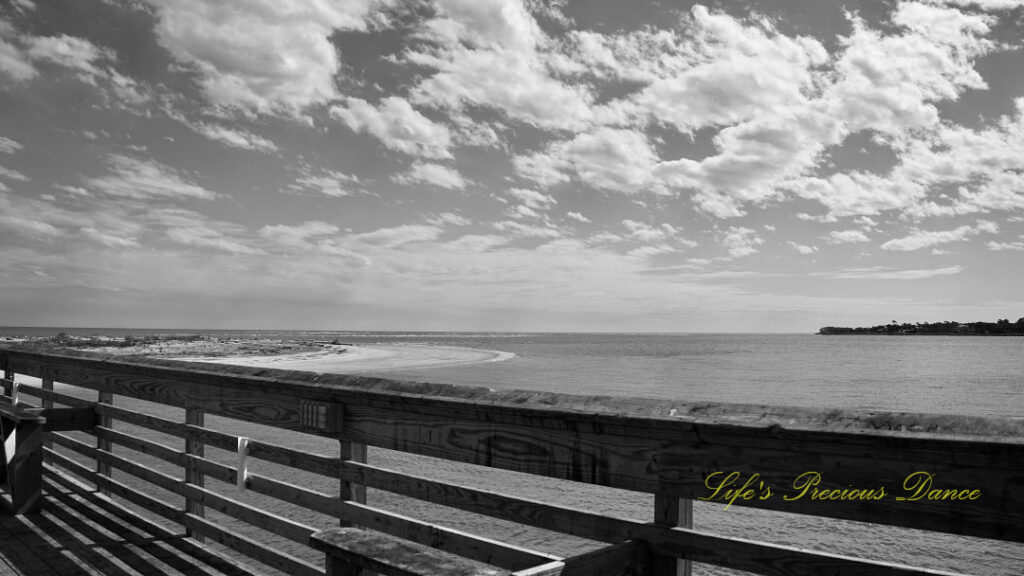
532 199
436 174
738 73
259 56
617 160
847 237
397 125
577 217
132 177
889 82
488 54
740 241
802 248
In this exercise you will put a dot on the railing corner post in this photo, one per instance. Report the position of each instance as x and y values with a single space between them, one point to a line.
672 511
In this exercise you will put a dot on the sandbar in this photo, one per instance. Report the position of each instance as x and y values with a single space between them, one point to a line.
349 359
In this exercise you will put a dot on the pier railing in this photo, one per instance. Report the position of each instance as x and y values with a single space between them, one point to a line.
141 408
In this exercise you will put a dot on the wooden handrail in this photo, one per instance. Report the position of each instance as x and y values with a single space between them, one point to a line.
647 448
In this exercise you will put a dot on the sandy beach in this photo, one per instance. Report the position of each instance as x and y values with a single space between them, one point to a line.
346 359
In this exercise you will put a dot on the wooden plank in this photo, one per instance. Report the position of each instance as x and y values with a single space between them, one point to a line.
154 505
104 397
262 519
315 463
672 511
190 548
354 547
755 557
194 476
47 384
256 550
297 495
349 490
450 540
656 455
154 477
624 559
156 423
588 525
56 397
142 446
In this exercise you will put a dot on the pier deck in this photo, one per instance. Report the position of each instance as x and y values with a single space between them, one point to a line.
79 533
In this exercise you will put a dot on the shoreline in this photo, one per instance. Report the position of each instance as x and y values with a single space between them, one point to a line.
349 358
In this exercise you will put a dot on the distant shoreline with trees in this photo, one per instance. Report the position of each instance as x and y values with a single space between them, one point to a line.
1001 327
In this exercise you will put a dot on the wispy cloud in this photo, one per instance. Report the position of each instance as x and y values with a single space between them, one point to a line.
132 177
881 273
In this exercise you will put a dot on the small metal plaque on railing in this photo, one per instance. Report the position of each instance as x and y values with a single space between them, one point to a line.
317 416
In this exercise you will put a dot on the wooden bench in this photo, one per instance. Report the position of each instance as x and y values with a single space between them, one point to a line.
359 552
23 431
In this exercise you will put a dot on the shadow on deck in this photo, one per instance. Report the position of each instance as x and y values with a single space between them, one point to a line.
88 534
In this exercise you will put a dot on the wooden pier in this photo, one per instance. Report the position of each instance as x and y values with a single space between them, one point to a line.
155 467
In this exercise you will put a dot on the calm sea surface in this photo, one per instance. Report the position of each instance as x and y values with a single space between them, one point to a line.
982 376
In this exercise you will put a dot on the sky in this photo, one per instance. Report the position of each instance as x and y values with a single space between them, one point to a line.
510 165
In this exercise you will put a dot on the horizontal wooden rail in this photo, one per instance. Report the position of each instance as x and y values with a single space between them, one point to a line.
669 456
672 458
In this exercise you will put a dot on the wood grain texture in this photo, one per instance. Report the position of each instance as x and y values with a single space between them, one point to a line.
672 511
454 541
392 556
672 458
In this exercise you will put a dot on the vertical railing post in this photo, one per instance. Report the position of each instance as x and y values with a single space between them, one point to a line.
47 384
350 490
672 511
103 468
8 374
193 474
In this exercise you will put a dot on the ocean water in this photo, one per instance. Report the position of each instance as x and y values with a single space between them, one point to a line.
982 376
978 376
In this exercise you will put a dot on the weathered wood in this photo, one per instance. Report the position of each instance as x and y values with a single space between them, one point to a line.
629 558
455 541
194 417
21 457
154 505
656 455
178 546
297 495
103 397
352 548
256 550
352 452
47 384
56 397
147 447
672 511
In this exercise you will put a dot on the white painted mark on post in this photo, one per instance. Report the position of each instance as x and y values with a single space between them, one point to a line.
242 473
14 393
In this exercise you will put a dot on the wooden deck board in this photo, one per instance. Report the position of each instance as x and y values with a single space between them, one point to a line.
77 534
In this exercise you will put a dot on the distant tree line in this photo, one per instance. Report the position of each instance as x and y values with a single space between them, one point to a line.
1001 327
